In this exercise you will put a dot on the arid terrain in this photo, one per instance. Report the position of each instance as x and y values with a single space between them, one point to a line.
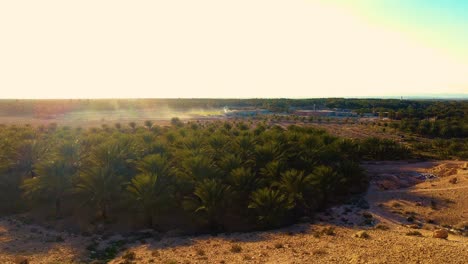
393 223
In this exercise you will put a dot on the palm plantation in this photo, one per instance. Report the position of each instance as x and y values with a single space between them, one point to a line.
204 175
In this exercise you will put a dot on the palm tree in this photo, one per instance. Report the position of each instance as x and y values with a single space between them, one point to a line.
154 164
298 186
100 186
150 194
200 167
244 181
271 206
132 125
25 157
272 170
354 178
212 196
148 124
54 179
228 162
268 152
326 180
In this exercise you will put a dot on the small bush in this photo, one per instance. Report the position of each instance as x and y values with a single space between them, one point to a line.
382 227
367 222
413 233
236 248
362 234
319 252
129 255
329 231
278 245
200 252
316 234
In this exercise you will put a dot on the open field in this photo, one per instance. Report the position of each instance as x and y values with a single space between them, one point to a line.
397 202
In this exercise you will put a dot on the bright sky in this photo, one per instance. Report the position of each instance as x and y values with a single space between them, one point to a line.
241 48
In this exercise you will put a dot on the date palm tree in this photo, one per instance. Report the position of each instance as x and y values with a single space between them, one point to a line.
298 186
271 206
100 186
325 180
151 194
54 179
212 196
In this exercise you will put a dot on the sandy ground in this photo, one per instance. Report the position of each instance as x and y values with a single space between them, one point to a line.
386 213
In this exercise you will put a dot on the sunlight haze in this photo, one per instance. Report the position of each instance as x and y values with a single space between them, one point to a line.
238 49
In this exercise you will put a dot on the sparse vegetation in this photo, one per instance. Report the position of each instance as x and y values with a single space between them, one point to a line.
413 233
236 248
362 234
200 252
129 255
382 227
278 245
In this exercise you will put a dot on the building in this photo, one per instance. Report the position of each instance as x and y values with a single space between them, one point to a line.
248 112
325 113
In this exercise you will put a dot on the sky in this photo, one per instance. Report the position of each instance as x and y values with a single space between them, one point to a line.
232 49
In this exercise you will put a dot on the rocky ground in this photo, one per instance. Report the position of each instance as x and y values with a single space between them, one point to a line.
393 223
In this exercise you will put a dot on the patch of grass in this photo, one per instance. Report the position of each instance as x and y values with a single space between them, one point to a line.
319 252
362 234
236 248
316 234
329 231
200 252
453 180
129 255
279 245
382 227
413 233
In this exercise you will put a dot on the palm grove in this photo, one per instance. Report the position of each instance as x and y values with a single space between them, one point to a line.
197 177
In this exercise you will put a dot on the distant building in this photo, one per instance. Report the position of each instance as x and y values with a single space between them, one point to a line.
325 113
248 112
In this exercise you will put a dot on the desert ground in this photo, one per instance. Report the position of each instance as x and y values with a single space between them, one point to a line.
394 222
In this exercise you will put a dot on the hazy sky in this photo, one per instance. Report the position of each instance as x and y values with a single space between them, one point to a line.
237 48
